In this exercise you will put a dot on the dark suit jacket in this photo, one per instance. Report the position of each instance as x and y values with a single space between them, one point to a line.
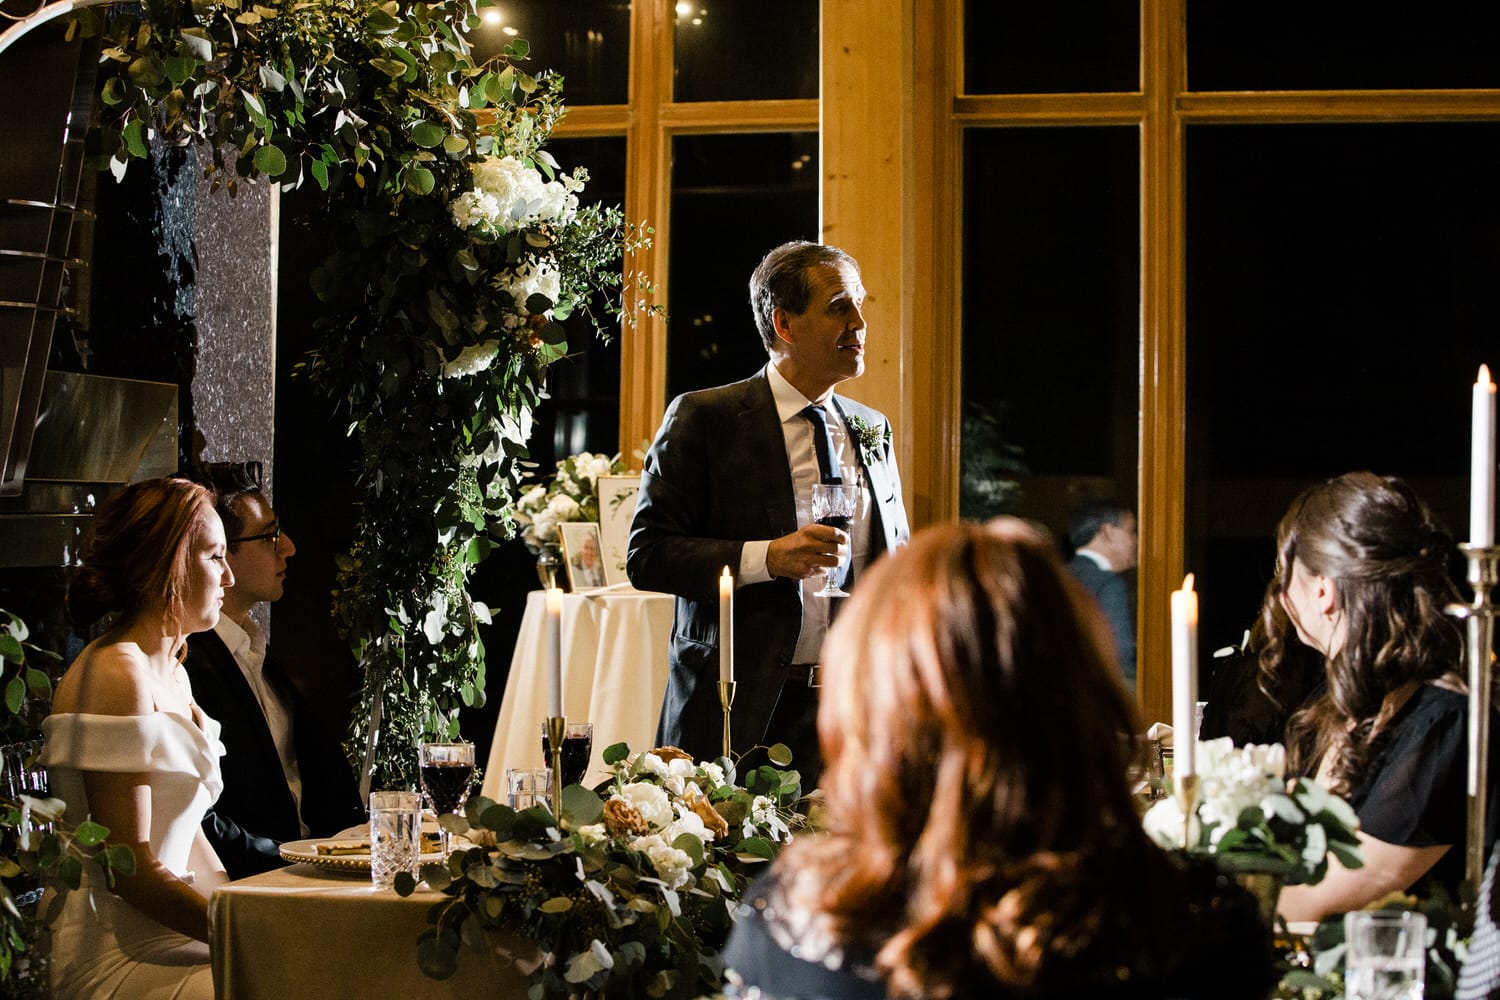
256 811
1113 596
716 477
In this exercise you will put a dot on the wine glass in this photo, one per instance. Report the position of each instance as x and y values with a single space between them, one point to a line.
447 769
578 745
834 504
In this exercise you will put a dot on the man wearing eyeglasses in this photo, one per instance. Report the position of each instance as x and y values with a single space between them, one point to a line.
284 777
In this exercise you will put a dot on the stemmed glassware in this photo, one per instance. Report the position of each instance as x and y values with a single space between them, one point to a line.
834 504
447 769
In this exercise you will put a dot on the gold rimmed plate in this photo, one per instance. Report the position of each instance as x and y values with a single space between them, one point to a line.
350 859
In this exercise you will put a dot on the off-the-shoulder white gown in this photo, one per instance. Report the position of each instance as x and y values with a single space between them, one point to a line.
101 945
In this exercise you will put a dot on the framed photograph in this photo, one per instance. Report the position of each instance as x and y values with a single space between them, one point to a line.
616 510
583 555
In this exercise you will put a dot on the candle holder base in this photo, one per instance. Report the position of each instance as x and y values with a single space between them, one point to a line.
557 731
1478 617
1185 787
726 702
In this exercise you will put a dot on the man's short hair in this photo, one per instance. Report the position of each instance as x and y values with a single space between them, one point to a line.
231 482
780 281
1090 517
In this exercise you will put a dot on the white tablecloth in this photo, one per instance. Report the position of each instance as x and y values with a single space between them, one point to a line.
614 660
309 934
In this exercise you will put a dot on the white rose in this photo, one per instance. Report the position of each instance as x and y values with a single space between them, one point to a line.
650 801
564 507
687 822
1163 824
654 764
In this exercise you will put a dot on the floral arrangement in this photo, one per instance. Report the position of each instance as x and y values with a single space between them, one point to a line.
871 439
1250 819
572 494
631 892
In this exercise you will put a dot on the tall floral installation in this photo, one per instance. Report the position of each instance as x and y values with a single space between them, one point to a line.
463 246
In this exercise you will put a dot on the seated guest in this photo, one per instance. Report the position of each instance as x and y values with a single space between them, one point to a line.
128 748
1362 575
983 840
284 777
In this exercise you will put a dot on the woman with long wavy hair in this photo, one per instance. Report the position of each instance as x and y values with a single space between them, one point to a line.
1362 577
983 840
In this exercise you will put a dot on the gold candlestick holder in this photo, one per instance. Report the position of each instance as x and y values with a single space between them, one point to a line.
557 731
1186 789
1479 618
726 702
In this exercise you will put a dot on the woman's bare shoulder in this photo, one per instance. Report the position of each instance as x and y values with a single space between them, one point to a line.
108 678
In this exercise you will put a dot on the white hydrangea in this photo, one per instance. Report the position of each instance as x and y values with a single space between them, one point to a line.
472 359
508 195
533 499
530 278
544 526
672 865
590 467
1232 780
650 801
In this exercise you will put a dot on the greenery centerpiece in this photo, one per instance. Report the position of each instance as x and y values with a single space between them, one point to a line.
631 892
1251 820
460 247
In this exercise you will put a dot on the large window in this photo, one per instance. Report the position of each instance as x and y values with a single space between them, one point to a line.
1314 236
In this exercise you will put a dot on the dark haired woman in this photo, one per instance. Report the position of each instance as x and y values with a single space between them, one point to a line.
128 748
983 840
1362 577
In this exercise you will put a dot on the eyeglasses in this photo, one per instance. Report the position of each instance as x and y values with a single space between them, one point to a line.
273 536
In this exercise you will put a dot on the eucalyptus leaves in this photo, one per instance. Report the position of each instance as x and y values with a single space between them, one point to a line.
460 248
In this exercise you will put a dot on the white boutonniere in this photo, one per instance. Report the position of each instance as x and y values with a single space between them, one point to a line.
872 440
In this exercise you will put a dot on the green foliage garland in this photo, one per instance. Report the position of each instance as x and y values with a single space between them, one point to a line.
441 307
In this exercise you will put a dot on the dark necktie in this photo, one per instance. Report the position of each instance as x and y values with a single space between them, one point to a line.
822 444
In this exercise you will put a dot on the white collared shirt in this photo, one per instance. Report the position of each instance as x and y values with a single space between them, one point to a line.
797 431
247 643
1096 558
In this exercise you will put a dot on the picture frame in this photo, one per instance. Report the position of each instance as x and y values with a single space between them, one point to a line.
583 555
617 496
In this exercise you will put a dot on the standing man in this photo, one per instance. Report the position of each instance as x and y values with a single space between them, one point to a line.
727 483
1103 533
284 777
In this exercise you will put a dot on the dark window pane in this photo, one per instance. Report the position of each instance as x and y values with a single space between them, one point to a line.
1051 320
585 388
746 50
1340 297
587 41
1068 46
1295 45
733 198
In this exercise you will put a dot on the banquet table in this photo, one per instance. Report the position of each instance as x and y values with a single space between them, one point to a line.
308 933
614 667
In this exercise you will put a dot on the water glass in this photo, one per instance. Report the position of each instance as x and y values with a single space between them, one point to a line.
395 835
528 786
1386 956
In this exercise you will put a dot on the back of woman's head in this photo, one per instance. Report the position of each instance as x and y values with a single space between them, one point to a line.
138 550
1387 554
976 741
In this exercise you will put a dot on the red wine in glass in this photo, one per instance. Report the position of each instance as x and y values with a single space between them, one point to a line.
577 747
837 521
447 784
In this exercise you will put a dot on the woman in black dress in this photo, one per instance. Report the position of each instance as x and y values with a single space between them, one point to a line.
983 840
1362 578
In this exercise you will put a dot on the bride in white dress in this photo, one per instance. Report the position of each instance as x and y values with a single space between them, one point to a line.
128 748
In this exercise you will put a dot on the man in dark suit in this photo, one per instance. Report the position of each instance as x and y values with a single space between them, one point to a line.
727 483
1103 535
284 776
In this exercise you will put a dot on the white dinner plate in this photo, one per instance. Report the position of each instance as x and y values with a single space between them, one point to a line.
306 851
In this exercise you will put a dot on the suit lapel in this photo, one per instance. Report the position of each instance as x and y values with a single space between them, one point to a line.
765 437
880 487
